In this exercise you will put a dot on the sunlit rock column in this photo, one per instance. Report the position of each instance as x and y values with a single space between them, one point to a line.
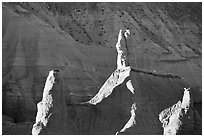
119 75
131 121
121 56
171 118
51 115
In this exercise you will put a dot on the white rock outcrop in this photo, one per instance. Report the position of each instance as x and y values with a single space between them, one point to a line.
118 76
130 86
51 115
171 118
131 121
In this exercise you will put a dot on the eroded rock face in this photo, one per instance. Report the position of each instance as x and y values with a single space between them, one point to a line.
37 39
51 115
128 103
149 100
119 75
131 121
117 78
172 118
80 38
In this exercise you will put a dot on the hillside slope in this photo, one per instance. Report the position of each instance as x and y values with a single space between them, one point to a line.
79 39
126 92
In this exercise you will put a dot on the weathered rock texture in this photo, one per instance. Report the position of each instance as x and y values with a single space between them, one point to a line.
51 115
124 112
171 118
131 121
118 76
79 40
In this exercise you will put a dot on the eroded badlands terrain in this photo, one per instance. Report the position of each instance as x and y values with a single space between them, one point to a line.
163 55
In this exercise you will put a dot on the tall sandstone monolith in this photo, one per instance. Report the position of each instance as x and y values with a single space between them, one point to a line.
51 115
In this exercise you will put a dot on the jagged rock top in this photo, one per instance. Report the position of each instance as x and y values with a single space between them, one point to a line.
171 118
118 76
52 105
